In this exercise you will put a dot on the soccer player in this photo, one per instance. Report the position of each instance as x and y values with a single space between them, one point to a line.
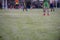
52 5
46 7
24 5
16 3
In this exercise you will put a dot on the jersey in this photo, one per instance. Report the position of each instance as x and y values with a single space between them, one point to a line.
17 1
46 5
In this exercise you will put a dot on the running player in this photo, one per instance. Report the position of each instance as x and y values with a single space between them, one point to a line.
46 7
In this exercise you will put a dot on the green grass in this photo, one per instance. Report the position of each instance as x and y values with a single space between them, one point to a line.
31 25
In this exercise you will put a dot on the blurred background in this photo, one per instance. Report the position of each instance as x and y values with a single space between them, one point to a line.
30 25
29 3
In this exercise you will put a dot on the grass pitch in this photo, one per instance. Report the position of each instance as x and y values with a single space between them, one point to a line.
31 25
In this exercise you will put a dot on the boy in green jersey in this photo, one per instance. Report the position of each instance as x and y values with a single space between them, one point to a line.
46 7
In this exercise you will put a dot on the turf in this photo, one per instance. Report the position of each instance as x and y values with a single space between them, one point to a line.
31 25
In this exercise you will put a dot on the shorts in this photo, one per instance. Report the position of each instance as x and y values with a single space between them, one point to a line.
17 5
51 6
46 5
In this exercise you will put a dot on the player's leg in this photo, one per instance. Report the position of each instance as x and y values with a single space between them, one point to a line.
48 11
47 7
26 8
52 8
31 7
44 10
23 9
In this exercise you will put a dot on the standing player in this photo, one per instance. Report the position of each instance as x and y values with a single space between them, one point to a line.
46 7
24 5
16 3
52 5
